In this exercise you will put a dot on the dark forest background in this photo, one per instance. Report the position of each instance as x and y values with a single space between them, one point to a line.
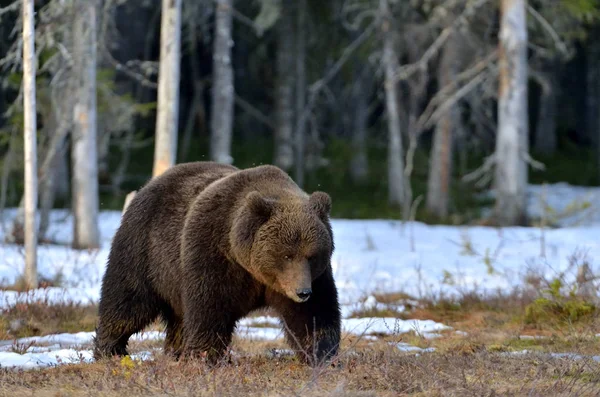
346 132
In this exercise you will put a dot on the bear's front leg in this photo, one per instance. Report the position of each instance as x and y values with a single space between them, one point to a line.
312 327
208 325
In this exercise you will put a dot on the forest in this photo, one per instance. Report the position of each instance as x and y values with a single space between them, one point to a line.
397 108
458 140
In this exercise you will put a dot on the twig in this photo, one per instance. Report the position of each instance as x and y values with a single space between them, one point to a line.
487 166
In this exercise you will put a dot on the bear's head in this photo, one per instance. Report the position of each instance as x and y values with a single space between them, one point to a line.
284 242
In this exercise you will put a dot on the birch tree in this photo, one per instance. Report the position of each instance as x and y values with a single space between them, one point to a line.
511 152
167 118
30 130
222 89
396 181
284 144
84 152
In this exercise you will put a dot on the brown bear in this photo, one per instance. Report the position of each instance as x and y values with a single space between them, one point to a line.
205 244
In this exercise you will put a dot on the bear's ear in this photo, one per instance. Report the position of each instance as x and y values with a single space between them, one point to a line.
320 202
260 205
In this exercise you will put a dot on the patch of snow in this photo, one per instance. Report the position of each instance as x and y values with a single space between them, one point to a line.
390 325
570 356
405 347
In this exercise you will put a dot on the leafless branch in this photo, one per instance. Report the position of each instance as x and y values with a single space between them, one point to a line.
538 165
405 71
254 112
560 45
14 6
451 93
482 171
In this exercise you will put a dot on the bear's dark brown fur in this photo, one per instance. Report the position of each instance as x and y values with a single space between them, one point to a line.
203 245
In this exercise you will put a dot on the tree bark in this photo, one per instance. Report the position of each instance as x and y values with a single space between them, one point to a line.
441 164
223 89
359 164
86 234
300 133
167 119
30 130
284 145
512 140
545 131
396 187
593 87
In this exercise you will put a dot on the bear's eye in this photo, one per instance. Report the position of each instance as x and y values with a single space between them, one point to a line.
287 257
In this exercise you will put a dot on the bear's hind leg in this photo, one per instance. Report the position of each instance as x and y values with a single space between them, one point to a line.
121 316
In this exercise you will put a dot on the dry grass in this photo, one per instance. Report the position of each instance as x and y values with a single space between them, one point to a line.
478 363
41 318
369 370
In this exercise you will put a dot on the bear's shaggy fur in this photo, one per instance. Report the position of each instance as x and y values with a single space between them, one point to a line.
205 244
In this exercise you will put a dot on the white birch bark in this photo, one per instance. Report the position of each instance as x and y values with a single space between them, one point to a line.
512 139
167 118
30 129
222 90
396 187
84 154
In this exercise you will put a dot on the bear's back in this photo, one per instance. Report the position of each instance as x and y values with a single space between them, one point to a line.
150 231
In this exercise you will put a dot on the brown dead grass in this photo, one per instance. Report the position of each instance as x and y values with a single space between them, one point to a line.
377 369
41 318
472 364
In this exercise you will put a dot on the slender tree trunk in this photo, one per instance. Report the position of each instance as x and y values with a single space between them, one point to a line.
512 139
545 131
593 94
223 90
284 145
396 187
84 153
197 104
359 165
49 175
441 164
167 119
30 130
300 133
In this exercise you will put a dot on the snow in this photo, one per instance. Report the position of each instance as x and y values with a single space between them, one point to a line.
371 256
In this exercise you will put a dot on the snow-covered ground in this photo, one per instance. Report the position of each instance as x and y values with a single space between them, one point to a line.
370 256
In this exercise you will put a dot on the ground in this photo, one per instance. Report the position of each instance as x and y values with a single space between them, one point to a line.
428 310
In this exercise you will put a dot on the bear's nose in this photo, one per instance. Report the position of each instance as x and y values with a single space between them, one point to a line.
304 293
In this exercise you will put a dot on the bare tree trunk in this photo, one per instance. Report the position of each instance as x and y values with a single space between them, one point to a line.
300 133
593 86
512 140
359 165
440 165
167 119
197 104
284 145
86 234
49 175
396 187
545 131
30 130
223 90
